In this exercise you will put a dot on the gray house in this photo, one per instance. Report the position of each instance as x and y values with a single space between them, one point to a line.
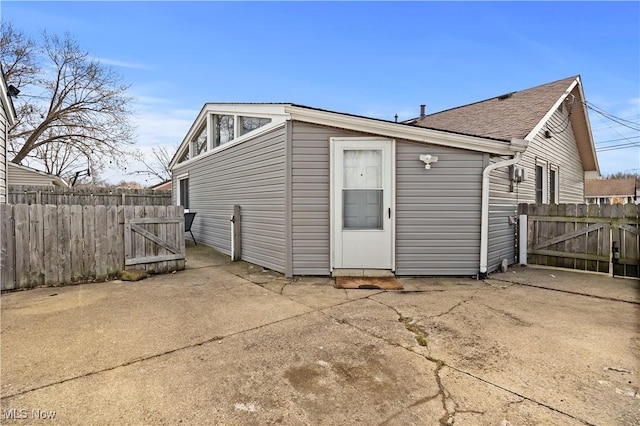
322 191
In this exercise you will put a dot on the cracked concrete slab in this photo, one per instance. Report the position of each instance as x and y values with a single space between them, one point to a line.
308 370
232 343
51 334
551 347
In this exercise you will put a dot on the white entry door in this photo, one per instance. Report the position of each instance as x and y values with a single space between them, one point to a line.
362 203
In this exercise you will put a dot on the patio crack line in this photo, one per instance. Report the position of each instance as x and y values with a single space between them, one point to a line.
613 299
150 357
462 302
448 418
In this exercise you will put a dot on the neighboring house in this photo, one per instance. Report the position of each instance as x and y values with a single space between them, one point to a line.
163 186
612 191
321 191
7 119
23 175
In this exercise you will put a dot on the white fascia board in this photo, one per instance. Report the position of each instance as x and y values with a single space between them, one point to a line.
588 122
532 134
7 103
254 110
403 131
553 109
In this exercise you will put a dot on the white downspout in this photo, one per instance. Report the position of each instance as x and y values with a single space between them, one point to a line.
484 225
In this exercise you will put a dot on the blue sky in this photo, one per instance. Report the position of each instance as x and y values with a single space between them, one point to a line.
375 59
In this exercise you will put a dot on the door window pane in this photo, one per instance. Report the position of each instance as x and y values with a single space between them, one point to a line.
362 208
363 169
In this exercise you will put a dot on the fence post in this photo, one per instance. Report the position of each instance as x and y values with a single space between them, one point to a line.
236 234
522 244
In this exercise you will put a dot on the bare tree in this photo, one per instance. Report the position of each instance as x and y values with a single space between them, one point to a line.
73 111
157 165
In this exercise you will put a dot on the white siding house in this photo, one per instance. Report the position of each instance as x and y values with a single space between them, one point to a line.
321 191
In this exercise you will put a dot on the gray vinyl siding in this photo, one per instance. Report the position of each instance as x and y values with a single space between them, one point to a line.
250 174
3 155
437 211
561 151
502 205
558 151
310 197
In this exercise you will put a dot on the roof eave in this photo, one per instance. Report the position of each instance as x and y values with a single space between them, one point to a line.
591 150
404 131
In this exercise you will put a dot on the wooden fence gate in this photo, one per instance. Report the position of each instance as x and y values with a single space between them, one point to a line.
148 241
585 237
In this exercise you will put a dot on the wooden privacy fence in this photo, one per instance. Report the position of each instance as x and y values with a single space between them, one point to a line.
56 245
21 194
580 236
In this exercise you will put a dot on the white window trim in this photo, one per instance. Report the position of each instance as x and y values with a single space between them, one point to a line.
545 180
276 122
555 169
178 179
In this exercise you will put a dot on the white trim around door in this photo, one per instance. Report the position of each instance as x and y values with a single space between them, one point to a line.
362 203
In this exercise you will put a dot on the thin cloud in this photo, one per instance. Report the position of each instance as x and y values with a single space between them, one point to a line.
121 64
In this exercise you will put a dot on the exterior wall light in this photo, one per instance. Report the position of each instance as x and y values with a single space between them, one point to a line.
427 159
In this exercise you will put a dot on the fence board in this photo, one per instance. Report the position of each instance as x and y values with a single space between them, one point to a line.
36 245
170 236
89 241
150 247
51 240
112 243
21 217
7 248
77 246
101 242
161 214
64 244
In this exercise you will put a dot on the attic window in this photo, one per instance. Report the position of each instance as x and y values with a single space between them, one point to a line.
199 142
249 124
184 156
223 129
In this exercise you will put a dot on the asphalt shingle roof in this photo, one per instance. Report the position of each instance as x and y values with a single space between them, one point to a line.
505 117
610 187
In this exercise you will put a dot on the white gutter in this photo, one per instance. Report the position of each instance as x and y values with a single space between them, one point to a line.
484 225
